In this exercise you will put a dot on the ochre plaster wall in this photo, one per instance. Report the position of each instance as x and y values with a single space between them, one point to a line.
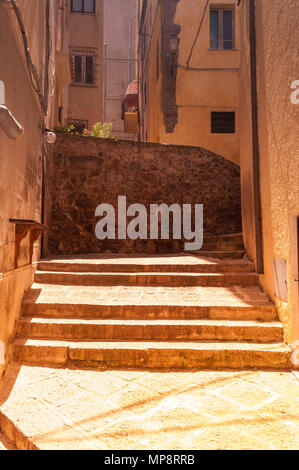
20 160
198 92
277 30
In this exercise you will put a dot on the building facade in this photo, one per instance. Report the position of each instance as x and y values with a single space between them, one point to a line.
83 41
269 140
189 74
120 59
30 32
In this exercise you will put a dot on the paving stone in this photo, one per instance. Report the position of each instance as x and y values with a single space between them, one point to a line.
136 398
69 438
88 411
181 410
35 417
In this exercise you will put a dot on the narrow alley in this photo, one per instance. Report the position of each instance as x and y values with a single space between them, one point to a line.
149 227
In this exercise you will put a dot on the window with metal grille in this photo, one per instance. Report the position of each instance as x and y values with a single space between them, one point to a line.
223 122
83 6
221 28
83 72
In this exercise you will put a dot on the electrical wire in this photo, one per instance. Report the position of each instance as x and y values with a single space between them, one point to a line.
33 73
197 34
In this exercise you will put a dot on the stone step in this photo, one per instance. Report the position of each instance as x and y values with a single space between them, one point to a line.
141 303
5 442
198 265
257 312
153 355
12 437
231 237
151 330
220 254
222 246
146 279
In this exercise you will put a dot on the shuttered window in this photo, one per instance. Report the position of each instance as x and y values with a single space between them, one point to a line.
83 69
78 69
89 70
83 6
223 122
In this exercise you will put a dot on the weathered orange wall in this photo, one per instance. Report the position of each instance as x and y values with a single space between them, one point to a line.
277 30
86 30
20 160
198 92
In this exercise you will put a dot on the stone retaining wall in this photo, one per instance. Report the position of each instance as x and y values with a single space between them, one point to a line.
86 171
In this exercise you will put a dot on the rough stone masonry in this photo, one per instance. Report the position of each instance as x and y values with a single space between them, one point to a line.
85 172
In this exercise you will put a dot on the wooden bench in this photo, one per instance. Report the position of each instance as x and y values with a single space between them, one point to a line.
23 226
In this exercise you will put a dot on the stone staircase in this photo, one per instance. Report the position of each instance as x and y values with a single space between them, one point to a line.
151 312
223 247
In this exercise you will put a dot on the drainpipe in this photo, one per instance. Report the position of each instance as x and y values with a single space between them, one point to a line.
105 82
255 142
138 70
48 53
130 51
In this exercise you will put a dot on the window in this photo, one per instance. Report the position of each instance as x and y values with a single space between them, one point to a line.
89 70
221 29
83 6
223 123
83 69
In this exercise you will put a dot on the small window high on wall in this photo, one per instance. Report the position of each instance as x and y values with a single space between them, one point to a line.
83 6
221 28
223 122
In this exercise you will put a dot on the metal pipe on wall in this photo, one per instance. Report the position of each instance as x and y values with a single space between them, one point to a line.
255 140
130 51
48 54
105 82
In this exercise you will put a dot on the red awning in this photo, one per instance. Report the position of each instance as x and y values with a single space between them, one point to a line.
132 88
131 97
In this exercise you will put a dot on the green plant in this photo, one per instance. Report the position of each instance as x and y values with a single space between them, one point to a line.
99 129
102 130
67 130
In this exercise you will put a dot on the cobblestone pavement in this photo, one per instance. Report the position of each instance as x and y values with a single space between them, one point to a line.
76 409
